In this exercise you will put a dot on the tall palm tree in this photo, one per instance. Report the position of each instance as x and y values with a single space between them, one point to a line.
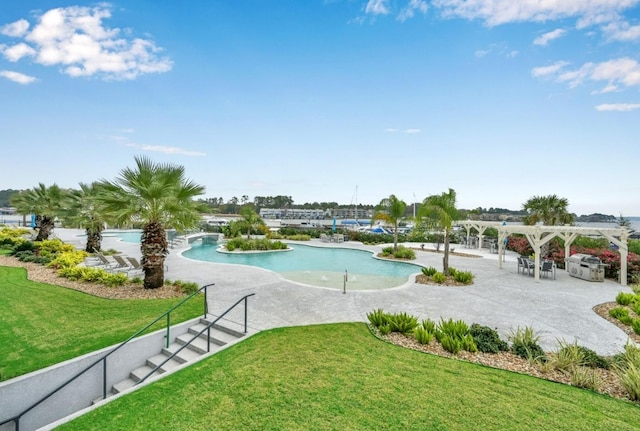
45 202
441 209
391 210
250 220
85 210
159 197
550 210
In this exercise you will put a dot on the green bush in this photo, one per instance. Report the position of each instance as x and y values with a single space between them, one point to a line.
622 314
635 324
625 298
67 259
378 318
23 246
429 271
429 325
592 359
455 328
584 377
186 287
468 344
451 344
422 335
464 277
524 343
403 323
385 329
452 271
404 253
439 277
629 376
298 237
261 244
487 339
635 306
387 251
52 247
569 356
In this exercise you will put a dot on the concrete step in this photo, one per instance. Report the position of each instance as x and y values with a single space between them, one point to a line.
225 326
199 344
156 360
185 355
215 335
123 386
139 373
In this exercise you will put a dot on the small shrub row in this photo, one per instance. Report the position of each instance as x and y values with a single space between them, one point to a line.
93 275
262 244
524 343
401 252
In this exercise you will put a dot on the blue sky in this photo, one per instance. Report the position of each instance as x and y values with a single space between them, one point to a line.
500 100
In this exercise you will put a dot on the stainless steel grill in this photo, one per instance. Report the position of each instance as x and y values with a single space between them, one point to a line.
586 267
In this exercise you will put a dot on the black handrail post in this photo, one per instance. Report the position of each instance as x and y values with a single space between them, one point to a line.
168 330
205 302
208 338
104 378
245 314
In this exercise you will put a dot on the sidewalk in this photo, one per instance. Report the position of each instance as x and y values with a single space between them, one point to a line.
504 299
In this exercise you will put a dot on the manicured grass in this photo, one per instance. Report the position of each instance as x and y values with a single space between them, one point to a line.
339 377
4 252
41 324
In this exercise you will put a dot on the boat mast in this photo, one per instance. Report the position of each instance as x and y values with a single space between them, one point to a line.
356 205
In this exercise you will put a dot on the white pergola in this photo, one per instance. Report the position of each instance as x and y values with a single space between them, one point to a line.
539 235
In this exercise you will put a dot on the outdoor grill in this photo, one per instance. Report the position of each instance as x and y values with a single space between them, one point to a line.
586 267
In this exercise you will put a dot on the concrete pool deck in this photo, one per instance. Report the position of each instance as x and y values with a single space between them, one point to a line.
504 299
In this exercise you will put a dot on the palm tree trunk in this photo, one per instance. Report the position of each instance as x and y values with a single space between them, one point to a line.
154 248
45 225
445 258
94 241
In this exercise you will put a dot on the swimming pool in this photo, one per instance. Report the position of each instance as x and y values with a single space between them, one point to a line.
317 266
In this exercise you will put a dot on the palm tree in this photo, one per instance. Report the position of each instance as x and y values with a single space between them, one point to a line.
159 197
45 202
85 211
550 210
391 210
441 209
250 220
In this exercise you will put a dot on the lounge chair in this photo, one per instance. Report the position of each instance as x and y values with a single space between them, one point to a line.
135 265
121 264
104 262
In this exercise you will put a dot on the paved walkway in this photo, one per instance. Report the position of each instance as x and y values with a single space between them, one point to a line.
559 309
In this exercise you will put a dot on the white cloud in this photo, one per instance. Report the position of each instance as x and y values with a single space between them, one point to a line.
482 52
377 7
548 70
544 39
497 12
390 130
412 131
618 106
410 10
621 31
15 29
20 78
75 38
167 150
616 73
17 51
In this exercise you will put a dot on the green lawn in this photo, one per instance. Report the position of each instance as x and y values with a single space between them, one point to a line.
340 377
41 324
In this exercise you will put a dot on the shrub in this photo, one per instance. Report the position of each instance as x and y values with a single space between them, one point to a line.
186 287
422 335
68 259
629 376
454 328
524 343
439 277
378 318
586 378
298 237
592 359
429 325
23 246
464 277
403 323
429 271
622 314
452 271
567 357
635 324
451 344
468 344
487 339
52 247
387 251
385 329
635 306
404 253
625 298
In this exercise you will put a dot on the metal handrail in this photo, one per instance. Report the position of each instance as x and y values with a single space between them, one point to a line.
16 419
208 329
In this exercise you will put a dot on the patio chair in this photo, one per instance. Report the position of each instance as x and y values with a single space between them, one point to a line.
104 262
547 268
521 264
121 264
135 265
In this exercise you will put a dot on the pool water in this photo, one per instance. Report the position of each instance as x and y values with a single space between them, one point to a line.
317 266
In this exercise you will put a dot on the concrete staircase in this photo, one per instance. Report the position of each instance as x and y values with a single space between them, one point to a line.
219 337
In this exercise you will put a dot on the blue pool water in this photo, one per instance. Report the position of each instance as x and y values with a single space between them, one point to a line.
318 266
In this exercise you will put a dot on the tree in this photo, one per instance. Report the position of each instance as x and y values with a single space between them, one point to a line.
391 210
250 220
625 223
85 210
45 202
158 196
441 210
550 210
